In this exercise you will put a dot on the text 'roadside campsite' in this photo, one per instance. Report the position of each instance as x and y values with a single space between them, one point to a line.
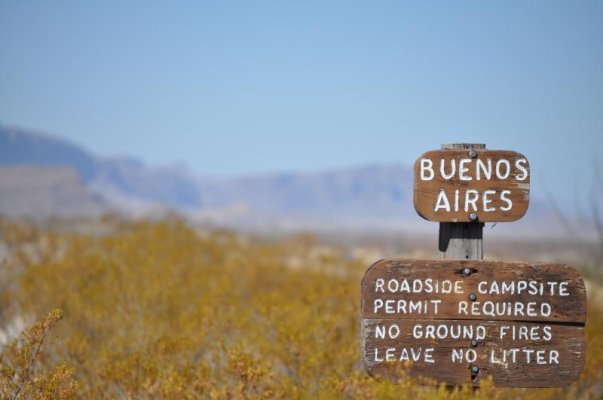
461 319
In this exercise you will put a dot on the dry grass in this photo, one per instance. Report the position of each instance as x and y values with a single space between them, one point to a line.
156 310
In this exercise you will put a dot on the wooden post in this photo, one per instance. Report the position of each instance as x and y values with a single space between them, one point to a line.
392 333
405 301
461 240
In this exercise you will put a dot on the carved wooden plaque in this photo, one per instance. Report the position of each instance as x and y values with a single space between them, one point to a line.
471 185
459 321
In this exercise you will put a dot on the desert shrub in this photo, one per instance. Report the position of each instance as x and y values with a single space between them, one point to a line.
24 372
159 310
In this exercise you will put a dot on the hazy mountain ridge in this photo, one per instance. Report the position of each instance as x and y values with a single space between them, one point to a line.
369 197
41 192
22 147
109 177
348 190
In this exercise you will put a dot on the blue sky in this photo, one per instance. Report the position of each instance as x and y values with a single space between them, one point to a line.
255 86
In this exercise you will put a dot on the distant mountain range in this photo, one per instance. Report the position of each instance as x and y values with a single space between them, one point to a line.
368 193
46 191
43 175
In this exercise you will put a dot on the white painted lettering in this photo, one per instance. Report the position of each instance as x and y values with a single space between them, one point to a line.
520 164
442 202
464 169
471 196
507 169
487 170
427 173
486 201
443 169
503 197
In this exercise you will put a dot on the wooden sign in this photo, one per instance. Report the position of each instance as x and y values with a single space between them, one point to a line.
471 185
459 321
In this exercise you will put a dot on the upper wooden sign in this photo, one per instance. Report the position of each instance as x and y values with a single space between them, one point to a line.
460 321
471 185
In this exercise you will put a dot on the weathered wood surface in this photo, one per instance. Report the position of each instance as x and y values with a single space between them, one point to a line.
564 321
500 178
521 373
461 240
570 308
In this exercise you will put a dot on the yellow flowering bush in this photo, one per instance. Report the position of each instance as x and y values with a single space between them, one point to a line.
158 310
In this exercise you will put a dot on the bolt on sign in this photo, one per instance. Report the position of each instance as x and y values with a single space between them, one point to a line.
458 185
460 321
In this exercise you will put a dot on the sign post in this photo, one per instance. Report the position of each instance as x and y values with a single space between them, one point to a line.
461 319
462 240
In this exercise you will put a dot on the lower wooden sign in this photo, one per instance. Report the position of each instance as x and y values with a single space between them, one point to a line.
458 322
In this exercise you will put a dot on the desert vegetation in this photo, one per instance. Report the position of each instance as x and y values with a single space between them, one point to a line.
159 310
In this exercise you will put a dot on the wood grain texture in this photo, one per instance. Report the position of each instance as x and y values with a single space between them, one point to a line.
520 373
461 240
565 323
426 192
